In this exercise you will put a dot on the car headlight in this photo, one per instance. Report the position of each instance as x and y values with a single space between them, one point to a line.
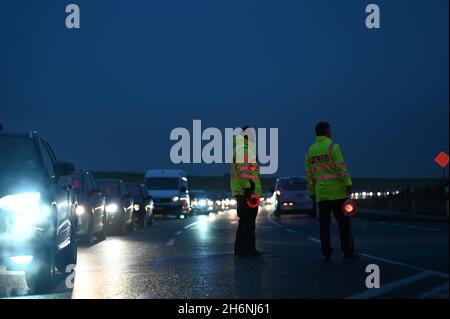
111 208
175 199
202 202
21 203
136 207
80 210
210 202
27 212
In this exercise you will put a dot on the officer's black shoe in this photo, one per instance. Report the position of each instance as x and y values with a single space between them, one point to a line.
353 256
327 259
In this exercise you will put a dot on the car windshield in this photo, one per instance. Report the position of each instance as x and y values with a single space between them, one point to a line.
293 184
18 154
134 190
162 183
109 188
77 183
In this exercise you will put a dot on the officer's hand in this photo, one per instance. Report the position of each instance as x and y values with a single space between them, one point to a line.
248 192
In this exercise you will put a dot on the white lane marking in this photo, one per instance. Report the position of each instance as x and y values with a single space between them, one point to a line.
291 230
270 219
170 242
371 293
314 239
190 225
432 292
145 295
178 233
397 263
413 227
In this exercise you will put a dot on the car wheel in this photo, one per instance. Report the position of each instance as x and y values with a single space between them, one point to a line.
101 235
123 227
69 254
150 221
40 278
90 232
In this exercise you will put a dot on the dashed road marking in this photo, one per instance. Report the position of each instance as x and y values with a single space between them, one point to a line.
270 219
397 263
314 240
371 293
170 242
433 229
190 225
291 231
178 233
413 227
433 292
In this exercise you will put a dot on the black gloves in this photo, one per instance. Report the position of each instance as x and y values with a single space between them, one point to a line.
249 191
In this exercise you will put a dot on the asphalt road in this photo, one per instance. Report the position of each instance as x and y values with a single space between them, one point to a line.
193 258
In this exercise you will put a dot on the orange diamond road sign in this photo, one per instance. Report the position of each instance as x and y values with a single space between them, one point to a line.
442 159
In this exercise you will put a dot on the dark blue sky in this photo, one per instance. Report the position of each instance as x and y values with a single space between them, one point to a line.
107 95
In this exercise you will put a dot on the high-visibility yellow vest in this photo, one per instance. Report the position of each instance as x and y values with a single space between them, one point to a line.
244 169
326 173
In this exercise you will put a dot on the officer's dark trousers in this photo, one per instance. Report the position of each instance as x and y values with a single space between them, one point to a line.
345 230
245 234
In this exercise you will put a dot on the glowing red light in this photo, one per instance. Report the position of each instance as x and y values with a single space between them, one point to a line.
253 201
349 208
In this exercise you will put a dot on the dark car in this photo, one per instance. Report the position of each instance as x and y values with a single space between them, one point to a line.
37 210
143 204
119 206
91 207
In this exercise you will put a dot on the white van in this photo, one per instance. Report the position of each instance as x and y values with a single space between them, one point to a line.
169 190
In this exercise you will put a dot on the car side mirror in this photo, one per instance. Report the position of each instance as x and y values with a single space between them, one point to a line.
63 169
183 189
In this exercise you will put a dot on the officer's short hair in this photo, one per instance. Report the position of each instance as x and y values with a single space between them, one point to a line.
322 128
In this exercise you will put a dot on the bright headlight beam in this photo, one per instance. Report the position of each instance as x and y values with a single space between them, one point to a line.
202 202
111 208
20 203
21 260
80 210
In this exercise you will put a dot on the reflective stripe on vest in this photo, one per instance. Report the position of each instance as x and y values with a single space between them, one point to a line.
244 176
330 176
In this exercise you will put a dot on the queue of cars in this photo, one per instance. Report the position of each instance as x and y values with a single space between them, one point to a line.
47 206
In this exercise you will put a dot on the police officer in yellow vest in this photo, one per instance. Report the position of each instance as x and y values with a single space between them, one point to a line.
330 185
245 182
